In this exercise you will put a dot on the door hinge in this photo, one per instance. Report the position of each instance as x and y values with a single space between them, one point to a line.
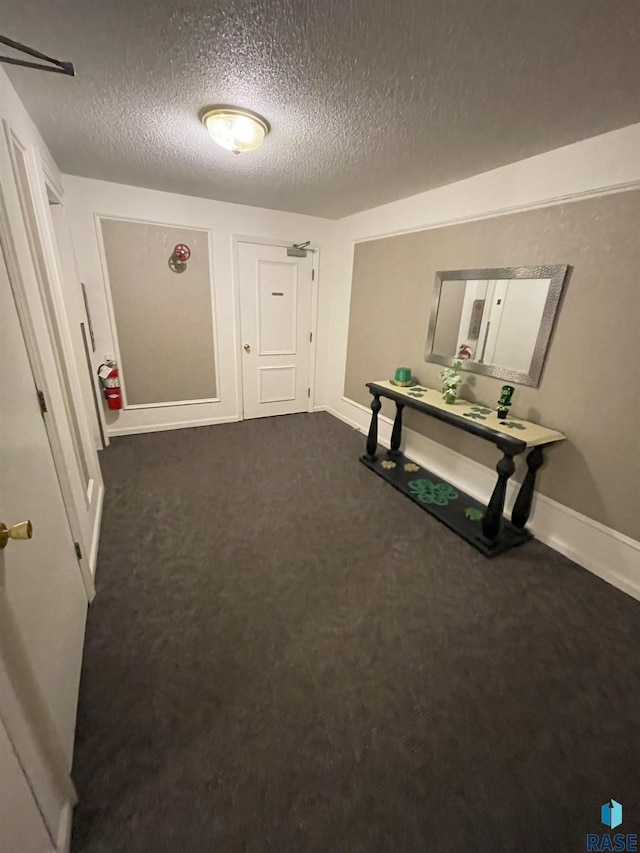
313 275
42 402
76 545
310 337
308 392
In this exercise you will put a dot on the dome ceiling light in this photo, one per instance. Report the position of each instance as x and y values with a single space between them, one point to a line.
234 129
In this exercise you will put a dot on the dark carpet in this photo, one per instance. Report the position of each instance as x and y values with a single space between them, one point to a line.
285 654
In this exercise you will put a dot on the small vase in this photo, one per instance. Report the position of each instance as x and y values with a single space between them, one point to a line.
449 395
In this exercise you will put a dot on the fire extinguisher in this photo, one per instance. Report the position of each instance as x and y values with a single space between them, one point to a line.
110 381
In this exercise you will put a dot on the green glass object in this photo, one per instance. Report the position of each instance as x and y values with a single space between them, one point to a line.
506 395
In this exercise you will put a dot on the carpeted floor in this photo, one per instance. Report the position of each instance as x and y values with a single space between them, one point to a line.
287 655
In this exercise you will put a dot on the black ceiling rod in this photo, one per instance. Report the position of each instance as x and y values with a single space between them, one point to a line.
57 67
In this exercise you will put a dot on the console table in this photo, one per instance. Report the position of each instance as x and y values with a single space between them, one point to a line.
482 526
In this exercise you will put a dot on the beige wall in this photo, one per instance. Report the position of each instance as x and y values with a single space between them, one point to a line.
158 311
590 386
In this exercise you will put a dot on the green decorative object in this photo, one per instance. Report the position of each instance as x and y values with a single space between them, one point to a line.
513 425
478 413
474 514
429 492
403 376
506 395
451 378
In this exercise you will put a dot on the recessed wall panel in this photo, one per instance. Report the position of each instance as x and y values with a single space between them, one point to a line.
164 319
277 308
277 384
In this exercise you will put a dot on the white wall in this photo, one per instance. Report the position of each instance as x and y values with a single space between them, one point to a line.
13 111
607 163
86 198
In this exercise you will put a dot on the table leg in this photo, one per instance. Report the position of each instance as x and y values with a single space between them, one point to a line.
522 506
396 434
372 438
493 517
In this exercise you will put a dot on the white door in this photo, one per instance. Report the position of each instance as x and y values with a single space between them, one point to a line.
43 604
22 827
275 314
74 450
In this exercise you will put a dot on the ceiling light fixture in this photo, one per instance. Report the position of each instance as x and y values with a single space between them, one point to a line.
234 129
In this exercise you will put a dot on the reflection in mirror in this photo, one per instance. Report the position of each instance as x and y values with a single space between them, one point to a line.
497 321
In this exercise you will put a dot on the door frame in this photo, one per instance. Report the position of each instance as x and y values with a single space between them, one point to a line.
236 239
40 180
55 198
14 244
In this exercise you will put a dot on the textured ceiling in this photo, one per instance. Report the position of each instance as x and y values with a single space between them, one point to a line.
369 100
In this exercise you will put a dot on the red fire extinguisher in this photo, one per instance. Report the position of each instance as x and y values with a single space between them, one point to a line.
110 381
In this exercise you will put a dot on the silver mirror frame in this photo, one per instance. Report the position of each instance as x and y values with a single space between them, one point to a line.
557 273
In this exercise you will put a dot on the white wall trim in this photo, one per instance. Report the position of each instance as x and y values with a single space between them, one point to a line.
165 403
135 430
505 210
607 553
95 544
95 414
64 830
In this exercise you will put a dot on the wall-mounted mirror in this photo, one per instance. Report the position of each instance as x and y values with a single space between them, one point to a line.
498 322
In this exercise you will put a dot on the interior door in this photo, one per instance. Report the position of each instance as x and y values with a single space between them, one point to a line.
275 311
21 825
74 450
43 604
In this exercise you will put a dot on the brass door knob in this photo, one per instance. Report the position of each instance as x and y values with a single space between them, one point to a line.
22 530
247 348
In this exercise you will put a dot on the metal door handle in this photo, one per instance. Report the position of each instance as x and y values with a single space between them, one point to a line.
22 530
247 348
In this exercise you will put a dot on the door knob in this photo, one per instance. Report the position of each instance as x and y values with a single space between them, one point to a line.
247 348
22 530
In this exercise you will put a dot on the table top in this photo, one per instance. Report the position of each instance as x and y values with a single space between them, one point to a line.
464 414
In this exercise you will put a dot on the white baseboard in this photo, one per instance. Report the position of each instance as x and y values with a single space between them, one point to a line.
612 556
136 430
95 543
64 829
